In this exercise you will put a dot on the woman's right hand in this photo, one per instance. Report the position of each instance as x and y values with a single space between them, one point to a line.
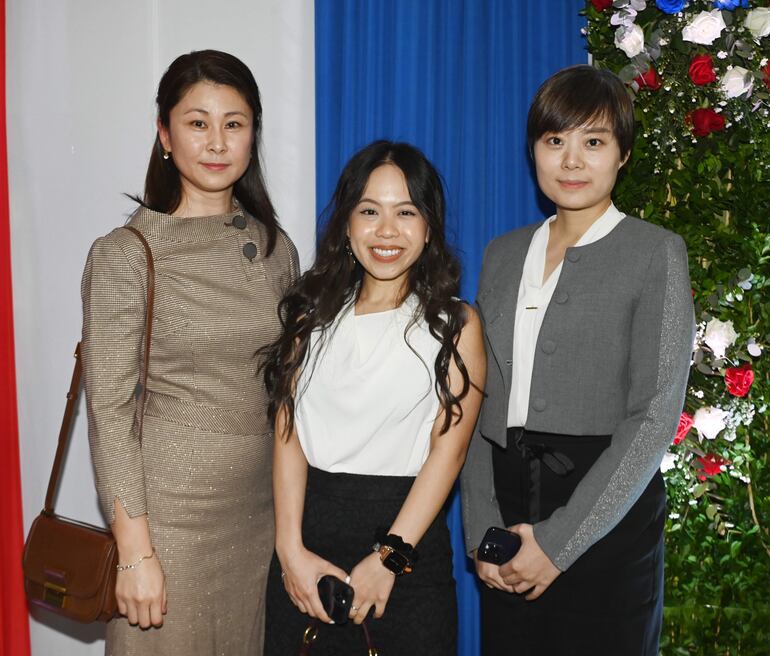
301 570
489 574
141 592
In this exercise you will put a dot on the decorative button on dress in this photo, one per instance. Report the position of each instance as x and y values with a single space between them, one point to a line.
202 470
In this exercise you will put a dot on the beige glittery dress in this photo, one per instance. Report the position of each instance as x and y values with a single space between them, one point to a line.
202 470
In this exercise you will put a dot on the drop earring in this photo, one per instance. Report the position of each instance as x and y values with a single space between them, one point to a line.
166 154
349 250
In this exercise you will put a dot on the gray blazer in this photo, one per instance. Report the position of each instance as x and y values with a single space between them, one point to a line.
612 358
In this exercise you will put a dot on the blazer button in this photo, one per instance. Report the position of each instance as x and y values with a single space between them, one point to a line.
539 405
561 297
250 251
239 222
573 256
509 363
548 346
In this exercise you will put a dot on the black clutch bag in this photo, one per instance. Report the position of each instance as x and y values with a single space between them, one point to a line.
498 546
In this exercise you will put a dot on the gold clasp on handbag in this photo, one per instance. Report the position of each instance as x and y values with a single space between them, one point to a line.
54 595
311 634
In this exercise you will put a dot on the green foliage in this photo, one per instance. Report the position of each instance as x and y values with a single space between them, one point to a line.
714 190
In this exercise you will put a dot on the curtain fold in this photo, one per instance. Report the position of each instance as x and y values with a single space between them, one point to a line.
14 626
454 77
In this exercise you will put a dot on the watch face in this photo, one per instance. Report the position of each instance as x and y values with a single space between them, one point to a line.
396 562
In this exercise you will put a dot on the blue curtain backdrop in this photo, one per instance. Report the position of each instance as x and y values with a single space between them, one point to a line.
454 77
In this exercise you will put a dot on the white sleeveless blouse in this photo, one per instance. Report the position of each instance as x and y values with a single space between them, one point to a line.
366 399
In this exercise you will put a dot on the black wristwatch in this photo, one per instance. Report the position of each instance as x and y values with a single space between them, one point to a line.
396 555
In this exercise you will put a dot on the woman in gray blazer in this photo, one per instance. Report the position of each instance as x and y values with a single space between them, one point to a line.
589 324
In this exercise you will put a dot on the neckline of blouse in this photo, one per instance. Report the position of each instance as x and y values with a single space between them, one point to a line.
188 229
406 309
535 260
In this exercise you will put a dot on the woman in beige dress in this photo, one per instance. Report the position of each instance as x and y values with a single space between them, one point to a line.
190 503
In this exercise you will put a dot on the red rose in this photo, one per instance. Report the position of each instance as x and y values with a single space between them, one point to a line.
649 80
601 5
766 71
685 424
702 70
704 121
710 465
739 379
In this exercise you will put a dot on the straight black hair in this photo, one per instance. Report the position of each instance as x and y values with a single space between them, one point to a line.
162 186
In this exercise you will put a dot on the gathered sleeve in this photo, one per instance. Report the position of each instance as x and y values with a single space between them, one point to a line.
662 334
294 271
113 293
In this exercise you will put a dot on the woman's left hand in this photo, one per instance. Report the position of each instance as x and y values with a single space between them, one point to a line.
372 583
530 569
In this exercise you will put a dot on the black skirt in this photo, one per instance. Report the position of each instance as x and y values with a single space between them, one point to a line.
610 601
342 513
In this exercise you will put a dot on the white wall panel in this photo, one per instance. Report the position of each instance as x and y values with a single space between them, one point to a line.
81 78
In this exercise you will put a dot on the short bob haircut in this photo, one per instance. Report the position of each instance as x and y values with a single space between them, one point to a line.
579 95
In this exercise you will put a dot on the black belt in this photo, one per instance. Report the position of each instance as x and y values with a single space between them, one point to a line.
534 455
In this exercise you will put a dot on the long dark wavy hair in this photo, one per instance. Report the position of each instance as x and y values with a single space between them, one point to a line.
162 187
315 300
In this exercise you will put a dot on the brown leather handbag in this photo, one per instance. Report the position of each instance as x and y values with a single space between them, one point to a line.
69 566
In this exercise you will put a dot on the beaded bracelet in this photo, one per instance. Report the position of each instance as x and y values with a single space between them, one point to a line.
123 568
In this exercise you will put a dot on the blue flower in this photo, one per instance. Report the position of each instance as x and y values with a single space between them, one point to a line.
730 4
671 6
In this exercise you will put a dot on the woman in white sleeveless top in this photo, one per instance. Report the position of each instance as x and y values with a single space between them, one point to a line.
375 387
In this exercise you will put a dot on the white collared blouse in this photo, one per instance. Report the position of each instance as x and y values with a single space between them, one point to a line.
532 303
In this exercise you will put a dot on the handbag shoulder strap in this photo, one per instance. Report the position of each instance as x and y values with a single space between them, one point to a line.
72 394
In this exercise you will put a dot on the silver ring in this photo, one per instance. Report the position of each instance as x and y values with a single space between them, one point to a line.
283 574
355 608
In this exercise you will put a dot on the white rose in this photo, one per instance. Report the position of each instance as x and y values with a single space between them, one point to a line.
736 82
719 335
709 421
630 39
705 28
758 22
669 462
